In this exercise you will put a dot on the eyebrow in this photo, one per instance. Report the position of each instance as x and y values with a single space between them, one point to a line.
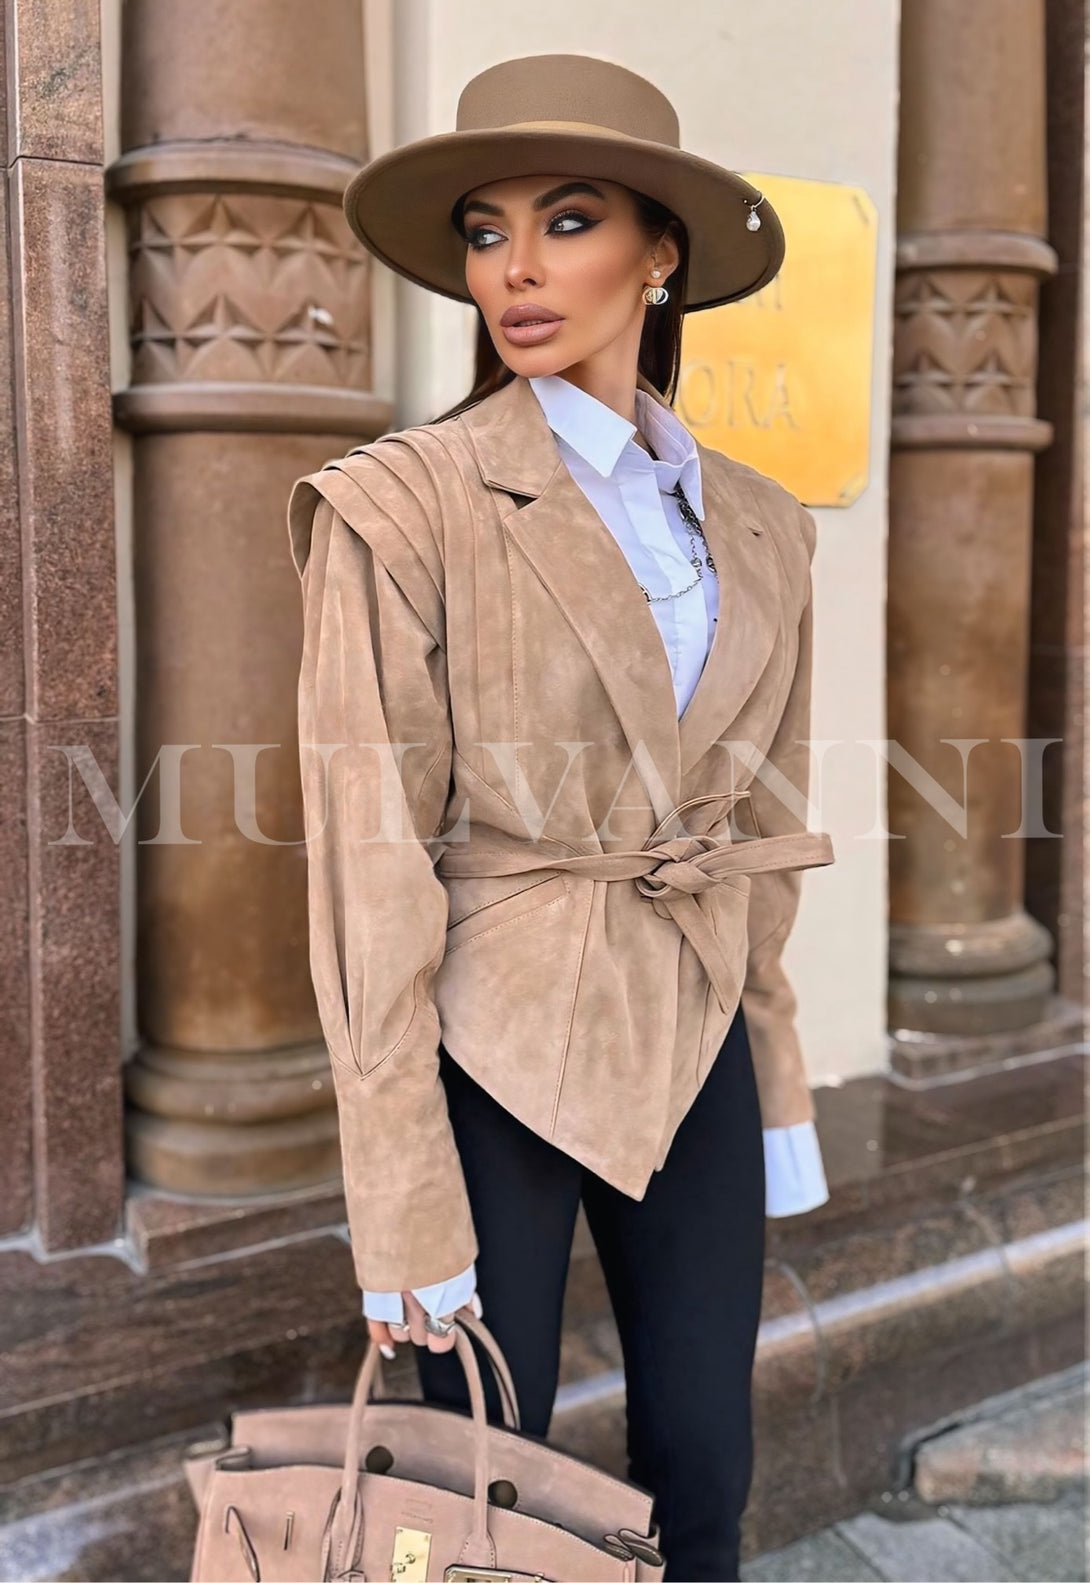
565 190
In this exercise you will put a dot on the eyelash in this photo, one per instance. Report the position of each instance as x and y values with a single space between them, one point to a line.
473 237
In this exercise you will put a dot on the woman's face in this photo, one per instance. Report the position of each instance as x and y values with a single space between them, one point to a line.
572 248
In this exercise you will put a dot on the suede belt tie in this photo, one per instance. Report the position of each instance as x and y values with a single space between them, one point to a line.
670 872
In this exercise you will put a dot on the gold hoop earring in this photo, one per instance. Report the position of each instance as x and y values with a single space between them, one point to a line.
655 295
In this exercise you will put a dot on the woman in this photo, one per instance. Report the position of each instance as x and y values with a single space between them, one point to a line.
554 703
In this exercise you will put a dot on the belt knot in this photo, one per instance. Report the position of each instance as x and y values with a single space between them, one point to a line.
681 867
685 859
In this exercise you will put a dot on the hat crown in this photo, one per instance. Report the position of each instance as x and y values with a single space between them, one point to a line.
533 89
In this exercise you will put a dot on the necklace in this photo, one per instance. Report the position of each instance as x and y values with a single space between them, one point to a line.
692 524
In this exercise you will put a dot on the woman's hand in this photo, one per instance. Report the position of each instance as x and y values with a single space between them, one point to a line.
414 1330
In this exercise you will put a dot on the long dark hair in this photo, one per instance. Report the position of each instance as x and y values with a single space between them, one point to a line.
659 358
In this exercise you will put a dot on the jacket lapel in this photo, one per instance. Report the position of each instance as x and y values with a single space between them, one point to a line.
577 558
752 601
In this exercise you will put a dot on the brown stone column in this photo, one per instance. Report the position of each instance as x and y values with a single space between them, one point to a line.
61 1156
967 963
251 363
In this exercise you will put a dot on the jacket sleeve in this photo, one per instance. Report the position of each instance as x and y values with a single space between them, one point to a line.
375 747
768 1000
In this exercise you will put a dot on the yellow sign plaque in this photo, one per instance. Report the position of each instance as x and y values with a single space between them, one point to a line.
781 380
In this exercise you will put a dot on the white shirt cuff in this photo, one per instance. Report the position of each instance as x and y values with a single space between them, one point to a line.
439 1300
794 1174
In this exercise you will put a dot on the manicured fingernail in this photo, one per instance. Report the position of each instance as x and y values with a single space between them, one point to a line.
387 1352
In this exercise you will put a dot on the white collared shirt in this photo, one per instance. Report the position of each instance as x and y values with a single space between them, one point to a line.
630 491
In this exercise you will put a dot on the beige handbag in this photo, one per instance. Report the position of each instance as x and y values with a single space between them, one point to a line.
385 1489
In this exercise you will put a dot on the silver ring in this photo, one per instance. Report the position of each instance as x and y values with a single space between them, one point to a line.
438 1327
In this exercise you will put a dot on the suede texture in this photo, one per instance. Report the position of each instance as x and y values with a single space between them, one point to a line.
513 842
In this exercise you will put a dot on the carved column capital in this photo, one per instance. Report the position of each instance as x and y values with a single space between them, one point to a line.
965 340
249 295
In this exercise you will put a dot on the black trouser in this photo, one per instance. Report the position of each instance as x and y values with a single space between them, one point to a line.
684 1270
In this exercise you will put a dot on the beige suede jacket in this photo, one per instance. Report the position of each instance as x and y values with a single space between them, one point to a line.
513 841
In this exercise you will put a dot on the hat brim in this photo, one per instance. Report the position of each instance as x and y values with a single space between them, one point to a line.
400 204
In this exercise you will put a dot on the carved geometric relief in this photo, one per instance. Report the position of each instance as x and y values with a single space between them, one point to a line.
247 287
965 341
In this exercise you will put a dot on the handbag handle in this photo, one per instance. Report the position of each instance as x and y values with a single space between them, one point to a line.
509 1401
512 1418
344 1527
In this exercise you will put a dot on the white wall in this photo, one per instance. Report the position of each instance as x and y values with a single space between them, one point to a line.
784 86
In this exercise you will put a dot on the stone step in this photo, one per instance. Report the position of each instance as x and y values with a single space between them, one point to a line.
1026 1445
125 1515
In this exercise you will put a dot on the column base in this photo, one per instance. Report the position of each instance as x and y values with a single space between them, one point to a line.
969 979
920 1060
232 1121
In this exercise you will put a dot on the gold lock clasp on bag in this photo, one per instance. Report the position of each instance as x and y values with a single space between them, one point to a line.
409 1563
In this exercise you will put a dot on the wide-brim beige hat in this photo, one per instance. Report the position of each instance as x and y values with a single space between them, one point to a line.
574 115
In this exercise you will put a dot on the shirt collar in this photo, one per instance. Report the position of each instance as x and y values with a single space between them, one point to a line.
602 437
